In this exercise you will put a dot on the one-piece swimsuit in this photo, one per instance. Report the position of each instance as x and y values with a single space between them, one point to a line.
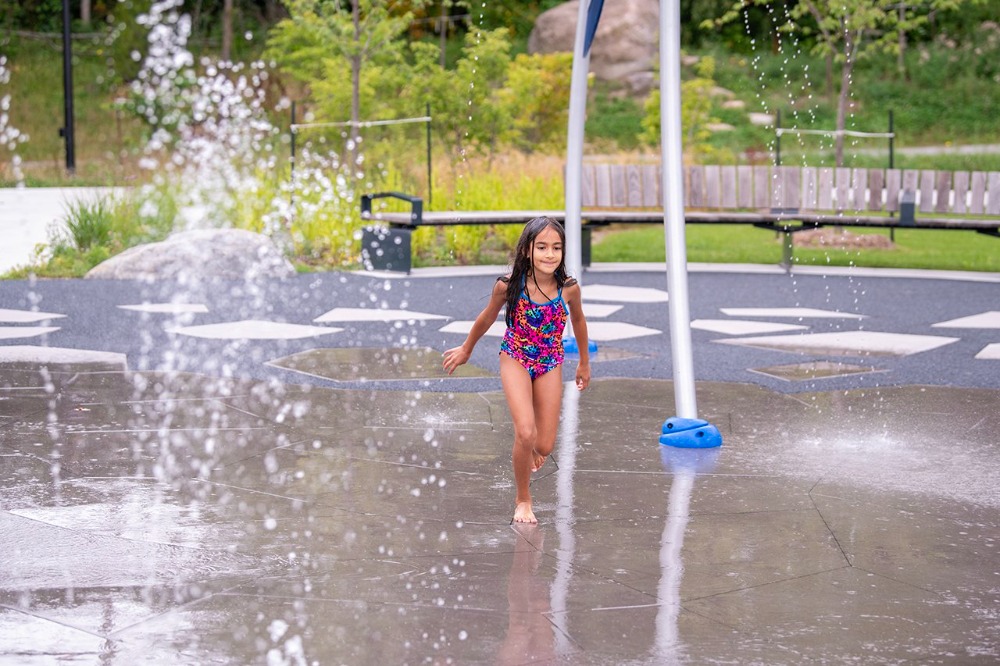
535 338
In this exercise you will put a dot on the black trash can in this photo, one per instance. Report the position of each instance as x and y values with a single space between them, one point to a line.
386 249
908 208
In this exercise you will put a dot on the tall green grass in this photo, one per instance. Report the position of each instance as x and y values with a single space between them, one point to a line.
512 182
90 223
99 228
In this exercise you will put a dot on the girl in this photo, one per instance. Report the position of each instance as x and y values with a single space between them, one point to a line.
537 295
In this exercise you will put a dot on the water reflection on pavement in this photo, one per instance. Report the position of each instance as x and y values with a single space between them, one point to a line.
179 518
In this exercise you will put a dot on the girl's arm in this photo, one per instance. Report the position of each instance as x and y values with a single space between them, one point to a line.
573 296
456 356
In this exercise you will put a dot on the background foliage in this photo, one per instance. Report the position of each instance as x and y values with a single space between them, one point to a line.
498 113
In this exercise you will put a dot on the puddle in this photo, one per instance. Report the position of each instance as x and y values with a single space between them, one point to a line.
800 372
368 363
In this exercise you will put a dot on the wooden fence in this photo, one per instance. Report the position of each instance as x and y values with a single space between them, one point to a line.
798 189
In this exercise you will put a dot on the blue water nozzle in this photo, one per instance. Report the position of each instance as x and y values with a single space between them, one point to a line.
690 433
570 346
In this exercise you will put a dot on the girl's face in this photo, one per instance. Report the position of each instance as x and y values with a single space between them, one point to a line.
546 252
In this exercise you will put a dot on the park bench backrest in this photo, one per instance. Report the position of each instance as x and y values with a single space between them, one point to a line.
800 189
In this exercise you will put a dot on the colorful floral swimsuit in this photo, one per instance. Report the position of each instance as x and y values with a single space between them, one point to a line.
535 338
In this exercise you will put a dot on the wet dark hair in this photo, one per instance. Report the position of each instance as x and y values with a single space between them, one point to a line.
521 267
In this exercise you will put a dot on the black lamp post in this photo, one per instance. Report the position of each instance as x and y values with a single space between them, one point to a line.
67 131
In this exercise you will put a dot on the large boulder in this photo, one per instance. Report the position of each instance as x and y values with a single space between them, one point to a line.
226 254
625 47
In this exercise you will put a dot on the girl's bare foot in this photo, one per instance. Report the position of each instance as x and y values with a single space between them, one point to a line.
524 514
537 460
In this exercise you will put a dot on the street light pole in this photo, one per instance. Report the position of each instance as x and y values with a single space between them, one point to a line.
67 131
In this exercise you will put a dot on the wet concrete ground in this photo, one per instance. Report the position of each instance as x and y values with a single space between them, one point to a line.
278 473
179 518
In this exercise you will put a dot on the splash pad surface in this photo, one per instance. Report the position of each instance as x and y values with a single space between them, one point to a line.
170 512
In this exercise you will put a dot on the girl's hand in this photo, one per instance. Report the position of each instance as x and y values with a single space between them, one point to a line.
582 376
455 357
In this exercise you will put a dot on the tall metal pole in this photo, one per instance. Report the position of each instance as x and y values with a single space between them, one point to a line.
777 138
673 209
892 165
685 429
293 131
892 136
574 144
430 178
67 130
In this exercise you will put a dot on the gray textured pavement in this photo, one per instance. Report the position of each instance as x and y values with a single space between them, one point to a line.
889 328
183 479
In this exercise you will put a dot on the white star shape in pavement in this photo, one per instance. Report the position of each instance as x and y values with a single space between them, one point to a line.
600 331
60 355
372 314
806 313
617 294
25 316
253 329
14 332
990 352
847 343
742 327
989 319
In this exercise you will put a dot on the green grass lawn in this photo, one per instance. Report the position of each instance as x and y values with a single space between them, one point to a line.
106 138
945 249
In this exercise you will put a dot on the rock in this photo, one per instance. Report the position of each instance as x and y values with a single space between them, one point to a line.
719 91
734 104
626 43
839 238
640 83
227 254
763 119
719 127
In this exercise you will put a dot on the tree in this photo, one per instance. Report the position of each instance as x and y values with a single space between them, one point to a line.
489 99
227 30
321 40
536 95
848 30
696 112
467 115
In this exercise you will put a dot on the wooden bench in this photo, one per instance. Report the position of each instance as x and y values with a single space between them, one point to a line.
789 199
783 199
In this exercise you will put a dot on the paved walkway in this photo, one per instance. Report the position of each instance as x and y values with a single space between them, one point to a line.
207 472
28 215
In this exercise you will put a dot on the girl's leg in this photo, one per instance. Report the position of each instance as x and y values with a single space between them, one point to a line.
517 388
547 398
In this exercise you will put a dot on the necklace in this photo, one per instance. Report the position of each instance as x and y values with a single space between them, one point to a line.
540 291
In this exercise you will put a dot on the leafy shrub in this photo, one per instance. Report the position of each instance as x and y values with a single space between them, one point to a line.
616 119
536 94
